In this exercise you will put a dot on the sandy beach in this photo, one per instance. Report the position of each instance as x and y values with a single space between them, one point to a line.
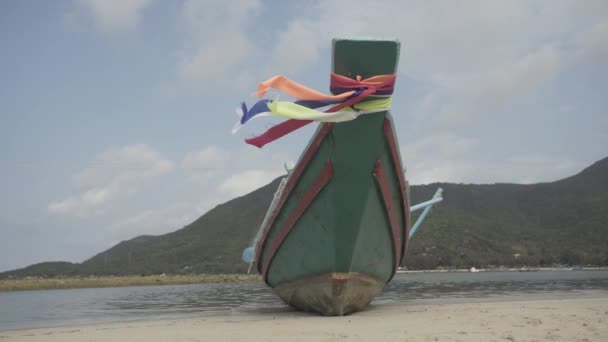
568 319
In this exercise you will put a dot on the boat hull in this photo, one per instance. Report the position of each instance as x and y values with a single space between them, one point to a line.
332 294
338 227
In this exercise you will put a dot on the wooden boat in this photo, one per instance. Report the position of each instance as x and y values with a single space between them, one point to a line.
339 224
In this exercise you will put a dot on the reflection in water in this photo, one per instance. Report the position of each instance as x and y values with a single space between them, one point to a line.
192 298
78 306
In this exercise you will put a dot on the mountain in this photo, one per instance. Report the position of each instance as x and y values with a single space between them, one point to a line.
211 244
562 222
49 268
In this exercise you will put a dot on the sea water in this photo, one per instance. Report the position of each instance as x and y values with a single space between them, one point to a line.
28 309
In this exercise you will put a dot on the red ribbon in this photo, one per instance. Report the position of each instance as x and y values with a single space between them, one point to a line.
382 83
371 86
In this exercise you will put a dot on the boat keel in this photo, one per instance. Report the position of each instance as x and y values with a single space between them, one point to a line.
331 294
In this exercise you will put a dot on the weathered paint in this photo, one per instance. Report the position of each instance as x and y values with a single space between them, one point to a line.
389 134
345 229
425 204
332 294
426 211
312 148
383 186
320 182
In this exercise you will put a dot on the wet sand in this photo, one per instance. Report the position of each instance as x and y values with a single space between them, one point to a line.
568 319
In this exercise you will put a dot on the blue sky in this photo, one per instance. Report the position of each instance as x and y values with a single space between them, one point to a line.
115 116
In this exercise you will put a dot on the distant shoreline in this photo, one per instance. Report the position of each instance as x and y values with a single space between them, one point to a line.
510 269
76 282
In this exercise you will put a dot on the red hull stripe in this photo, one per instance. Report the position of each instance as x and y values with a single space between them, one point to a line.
311 193
385 190
390 138
291 183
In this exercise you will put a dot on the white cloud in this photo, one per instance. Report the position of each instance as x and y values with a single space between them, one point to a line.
175 216
491 54
431 159
244 182
471 95
114 15
296 48
595 43
113 174
201 164
469 31
205 163
445 144
467 170
521 76
160 221
212 60
207 158
218 40
447 158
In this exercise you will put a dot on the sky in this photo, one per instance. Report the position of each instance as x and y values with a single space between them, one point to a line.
116 115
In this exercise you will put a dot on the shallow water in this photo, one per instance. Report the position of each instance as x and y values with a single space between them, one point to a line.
29 309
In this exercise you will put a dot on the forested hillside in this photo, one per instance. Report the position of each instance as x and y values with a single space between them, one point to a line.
562 222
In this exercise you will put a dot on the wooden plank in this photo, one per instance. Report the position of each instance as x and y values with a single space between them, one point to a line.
385 191
320 181
405 205
291 183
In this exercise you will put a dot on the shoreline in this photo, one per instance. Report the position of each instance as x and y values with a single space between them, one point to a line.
55 283
565 319
81 282
510 269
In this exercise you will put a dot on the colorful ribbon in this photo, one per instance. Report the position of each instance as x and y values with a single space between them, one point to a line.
384 84
295 90
350 93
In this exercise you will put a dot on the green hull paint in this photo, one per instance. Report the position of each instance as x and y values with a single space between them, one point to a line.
345 229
